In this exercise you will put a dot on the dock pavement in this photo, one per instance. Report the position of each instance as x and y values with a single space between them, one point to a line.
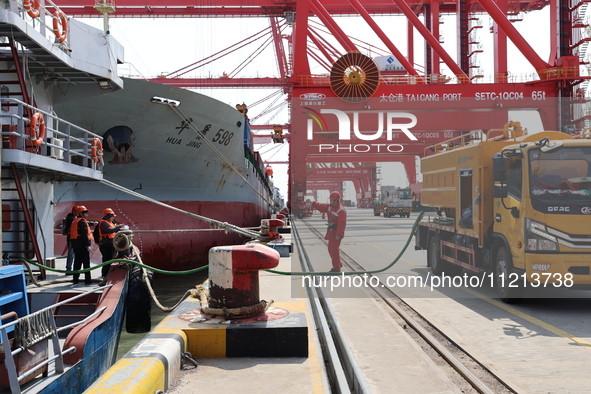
389 358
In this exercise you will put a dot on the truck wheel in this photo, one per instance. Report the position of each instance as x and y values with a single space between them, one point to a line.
435 262
510 290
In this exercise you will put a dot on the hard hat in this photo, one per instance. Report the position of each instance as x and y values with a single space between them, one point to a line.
108 211
335 196
82 208
75 209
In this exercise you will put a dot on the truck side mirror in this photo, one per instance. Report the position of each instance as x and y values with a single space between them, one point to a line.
499 167
500 191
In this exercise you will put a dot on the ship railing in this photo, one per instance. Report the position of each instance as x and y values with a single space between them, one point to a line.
35 328
63 140
44 21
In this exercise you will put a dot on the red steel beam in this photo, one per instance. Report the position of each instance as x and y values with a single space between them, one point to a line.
267 138
279 49
380 33
301 64
338 173
334 28
500 47
316 39
322 185
500 19
237 8
326 65
434 42
435 66
268 127
276 162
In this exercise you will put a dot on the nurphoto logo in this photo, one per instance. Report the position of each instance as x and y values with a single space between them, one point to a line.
390 123
383 117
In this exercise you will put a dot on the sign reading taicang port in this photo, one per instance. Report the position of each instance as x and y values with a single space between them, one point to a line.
405 119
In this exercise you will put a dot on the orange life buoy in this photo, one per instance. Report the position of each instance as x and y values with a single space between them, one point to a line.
96 150
33 8
60 32
269 170
37 129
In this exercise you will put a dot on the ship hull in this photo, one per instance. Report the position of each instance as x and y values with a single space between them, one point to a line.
192 157
179 242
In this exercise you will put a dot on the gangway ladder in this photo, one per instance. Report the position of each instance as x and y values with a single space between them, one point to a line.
20 78
40 326
28 234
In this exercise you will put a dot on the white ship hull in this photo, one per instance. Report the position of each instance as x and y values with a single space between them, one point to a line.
160 151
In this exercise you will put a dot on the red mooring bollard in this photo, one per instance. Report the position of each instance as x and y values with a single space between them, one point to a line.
234 274
270 227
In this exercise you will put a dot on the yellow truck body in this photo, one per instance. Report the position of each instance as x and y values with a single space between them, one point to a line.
529 220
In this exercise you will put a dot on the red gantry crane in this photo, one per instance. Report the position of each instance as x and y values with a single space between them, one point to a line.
387 100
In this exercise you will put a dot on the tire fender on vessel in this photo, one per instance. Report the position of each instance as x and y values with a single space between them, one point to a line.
138 317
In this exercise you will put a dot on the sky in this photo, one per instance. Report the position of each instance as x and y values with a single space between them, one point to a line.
155 46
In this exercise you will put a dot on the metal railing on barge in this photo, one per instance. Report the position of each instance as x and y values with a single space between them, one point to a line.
44 328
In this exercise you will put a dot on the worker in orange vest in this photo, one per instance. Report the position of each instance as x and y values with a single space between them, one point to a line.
107 230
81 237
70 217
337 221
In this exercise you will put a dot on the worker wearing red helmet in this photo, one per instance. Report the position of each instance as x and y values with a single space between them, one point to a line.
70 217
81 237
107 230
337 221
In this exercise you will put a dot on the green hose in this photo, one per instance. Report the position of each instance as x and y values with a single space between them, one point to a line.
412 233
116 261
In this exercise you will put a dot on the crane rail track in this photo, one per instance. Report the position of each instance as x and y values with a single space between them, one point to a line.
457 363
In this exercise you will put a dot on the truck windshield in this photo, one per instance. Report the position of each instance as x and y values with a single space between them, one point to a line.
405 194
560 180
